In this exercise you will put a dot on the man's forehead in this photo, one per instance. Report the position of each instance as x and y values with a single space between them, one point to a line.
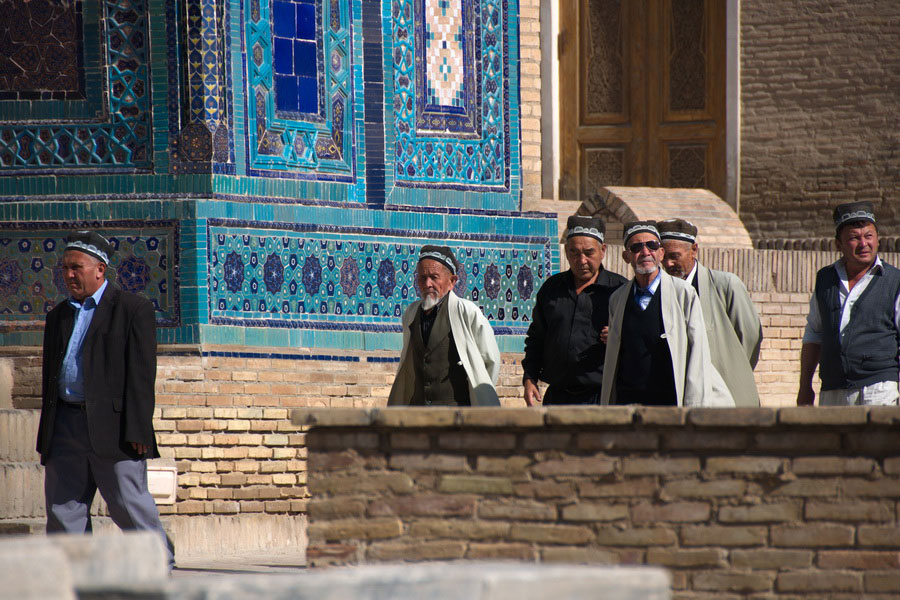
430 264
644 236
582 242
78 257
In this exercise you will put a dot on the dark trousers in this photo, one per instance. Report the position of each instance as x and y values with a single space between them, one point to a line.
74 473
555 397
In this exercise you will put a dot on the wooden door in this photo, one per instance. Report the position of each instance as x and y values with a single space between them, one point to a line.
642 98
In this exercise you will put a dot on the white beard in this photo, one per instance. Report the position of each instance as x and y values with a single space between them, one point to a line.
645 270
429 302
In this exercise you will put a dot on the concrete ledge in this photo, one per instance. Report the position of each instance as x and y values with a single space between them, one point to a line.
439 581
607 416
59 566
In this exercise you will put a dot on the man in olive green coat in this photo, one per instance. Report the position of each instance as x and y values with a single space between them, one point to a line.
732 323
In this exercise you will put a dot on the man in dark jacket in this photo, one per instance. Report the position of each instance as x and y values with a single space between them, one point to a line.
99 371
563 346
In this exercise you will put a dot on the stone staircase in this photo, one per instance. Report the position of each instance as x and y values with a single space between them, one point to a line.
21 474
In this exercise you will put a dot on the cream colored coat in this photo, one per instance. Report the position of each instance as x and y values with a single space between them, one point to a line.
697 383
733 331
475 344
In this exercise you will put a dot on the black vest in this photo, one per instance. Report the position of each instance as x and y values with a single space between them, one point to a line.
868 353
440 377
645 373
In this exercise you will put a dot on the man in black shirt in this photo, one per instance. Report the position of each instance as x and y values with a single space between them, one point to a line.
563 345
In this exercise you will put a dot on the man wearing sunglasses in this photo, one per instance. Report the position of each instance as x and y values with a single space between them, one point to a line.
563 346
657 352
733 329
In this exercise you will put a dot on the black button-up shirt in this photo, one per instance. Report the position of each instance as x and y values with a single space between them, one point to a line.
563 344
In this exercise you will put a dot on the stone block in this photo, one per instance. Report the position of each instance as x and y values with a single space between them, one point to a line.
776 512
693 488
733 581
871 535
459 529
660 415
687 558
474 484
819 581
502 551
575 465
546 440
337 508
418 551
343 530
833 465
719 535
501 417
331 417
592 512
854 512
428 462
631 487
744 464
771 559
550 534
424 505
24 570
589 415
474 441
398 483
578 555
731 417
645 536
516 510
503 464
883 582
705 440
678 512
823 415
416 416
857 559
812 536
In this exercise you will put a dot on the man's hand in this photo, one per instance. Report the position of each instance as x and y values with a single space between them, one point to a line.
604 334
140 448
532 393
806 396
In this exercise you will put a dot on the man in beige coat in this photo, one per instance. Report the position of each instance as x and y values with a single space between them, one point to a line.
449 356
733 328
657 351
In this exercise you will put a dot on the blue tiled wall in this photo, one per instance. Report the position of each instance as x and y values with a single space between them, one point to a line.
269 168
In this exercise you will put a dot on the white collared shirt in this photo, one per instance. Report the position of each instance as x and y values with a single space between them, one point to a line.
813 333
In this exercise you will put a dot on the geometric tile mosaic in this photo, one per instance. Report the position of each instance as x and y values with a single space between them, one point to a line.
348 279
116 137
299 88
40 50
31 283
451 97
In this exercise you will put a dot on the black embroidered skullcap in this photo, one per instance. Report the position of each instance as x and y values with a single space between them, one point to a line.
588 226
92 243
635 227
853 211
442 254
677 229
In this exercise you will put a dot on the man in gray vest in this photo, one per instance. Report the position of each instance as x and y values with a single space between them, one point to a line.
449 356
732 324
853 327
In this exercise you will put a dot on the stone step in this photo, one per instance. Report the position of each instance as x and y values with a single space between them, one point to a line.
18 433
22 492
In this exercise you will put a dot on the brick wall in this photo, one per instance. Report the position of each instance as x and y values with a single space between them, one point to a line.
820 113
530 90
782 503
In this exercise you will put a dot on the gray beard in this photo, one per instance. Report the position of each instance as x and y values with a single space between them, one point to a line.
645 270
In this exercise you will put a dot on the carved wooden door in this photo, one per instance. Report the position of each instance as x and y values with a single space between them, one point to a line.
642 98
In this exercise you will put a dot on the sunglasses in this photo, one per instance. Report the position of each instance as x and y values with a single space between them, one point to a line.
652 246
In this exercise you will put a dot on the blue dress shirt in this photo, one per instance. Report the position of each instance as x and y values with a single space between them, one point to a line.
643 295
71 374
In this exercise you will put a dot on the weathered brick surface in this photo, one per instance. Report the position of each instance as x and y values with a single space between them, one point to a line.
793 169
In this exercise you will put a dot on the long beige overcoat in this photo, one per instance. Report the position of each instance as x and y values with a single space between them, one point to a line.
475 344
733 331
697 383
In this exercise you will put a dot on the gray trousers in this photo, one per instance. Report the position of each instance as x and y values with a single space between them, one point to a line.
74 473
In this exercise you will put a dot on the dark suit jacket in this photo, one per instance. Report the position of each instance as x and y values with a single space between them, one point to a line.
119 361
